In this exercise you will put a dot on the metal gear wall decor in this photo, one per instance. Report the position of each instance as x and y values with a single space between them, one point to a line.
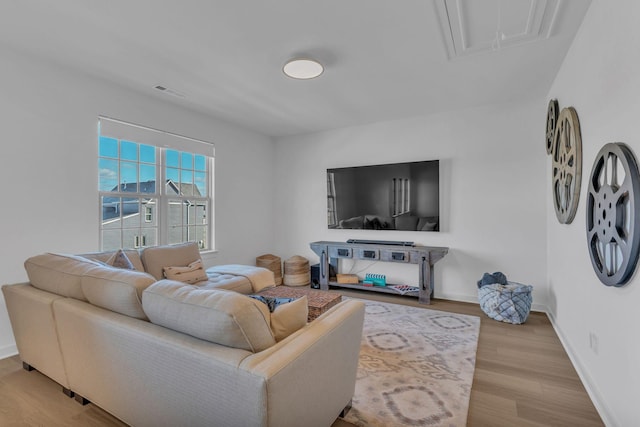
613 223
566 173
552 120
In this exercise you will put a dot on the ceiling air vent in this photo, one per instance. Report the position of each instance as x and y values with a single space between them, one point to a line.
169 91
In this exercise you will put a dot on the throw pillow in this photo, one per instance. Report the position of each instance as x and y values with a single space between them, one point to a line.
120 260
288 318
193 273
429 226
271 302
407 222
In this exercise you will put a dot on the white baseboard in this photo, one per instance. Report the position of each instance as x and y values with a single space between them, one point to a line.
607 416
588 383
8 351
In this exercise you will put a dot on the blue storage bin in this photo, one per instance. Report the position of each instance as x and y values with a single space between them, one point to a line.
508 303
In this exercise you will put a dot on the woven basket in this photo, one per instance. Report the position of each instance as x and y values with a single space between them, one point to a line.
508 303
273 263
296 271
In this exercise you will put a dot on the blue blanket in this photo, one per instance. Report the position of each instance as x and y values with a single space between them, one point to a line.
490 279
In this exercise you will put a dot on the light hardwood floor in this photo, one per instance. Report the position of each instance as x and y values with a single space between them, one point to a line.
523 377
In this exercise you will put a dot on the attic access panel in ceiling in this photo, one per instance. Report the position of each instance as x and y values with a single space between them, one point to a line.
471 27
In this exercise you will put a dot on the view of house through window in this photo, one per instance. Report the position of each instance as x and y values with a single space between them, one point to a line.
154 187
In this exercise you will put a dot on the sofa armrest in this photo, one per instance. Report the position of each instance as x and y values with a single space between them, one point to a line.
33 323
311 375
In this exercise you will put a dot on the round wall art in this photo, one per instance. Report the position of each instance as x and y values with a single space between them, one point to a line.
566 173
613 225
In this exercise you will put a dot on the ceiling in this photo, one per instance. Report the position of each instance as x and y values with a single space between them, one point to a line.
383 59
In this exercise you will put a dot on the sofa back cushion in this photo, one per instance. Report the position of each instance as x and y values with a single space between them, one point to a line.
406 222
59 273
219 316
117 289
156 258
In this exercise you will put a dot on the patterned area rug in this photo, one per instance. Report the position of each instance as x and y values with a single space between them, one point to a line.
416 367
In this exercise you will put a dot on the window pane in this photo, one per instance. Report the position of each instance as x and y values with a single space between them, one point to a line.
130 212
186 182
129 176
187 161
173 175
172 159
147 178
200 236
200 163
174 213
147 153
149 237
110 208
108 147
174 235
200 209
189 212
110 240
108 175
200 180
150 212
131 238
128 150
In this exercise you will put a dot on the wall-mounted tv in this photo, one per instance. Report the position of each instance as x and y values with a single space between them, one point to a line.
399 196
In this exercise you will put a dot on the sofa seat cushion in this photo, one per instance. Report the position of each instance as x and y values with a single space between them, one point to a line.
219 316
228 282
117 289
156 258
357 222
59 273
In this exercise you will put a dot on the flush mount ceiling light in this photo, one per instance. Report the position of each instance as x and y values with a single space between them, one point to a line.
303 69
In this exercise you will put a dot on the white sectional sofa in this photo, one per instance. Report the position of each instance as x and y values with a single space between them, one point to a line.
86 325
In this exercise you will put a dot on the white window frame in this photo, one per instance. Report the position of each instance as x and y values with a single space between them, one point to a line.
163 141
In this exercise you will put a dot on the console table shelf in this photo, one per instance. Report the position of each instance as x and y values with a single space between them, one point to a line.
382 289
424 256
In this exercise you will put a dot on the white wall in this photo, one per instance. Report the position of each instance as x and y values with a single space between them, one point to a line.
600 77
48 167
492 177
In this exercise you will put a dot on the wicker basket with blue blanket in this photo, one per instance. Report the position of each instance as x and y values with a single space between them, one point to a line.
509 303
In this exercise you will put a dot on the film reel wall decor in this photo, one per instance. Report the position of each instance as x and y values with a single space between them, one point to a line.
613 224
552 120
564 144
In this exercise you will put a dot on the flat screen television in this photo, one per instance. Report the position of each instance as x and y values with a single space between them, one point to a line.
399 196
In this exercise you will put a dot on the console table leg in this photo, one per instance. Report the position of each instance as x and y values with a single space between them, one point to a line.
426 281
324 270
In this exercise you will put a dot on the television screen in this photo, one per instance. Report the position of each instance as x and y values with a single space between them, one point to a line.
400 196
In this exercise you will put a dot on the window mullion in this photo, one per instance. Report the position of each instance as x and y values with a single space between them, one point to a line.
162 197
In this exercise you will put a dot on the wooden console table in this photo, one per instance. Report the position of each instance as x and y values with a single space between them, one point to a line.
425 256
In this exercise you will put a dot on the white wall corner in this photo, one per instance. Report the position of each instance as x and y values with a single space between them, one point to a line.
598 400
8 351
